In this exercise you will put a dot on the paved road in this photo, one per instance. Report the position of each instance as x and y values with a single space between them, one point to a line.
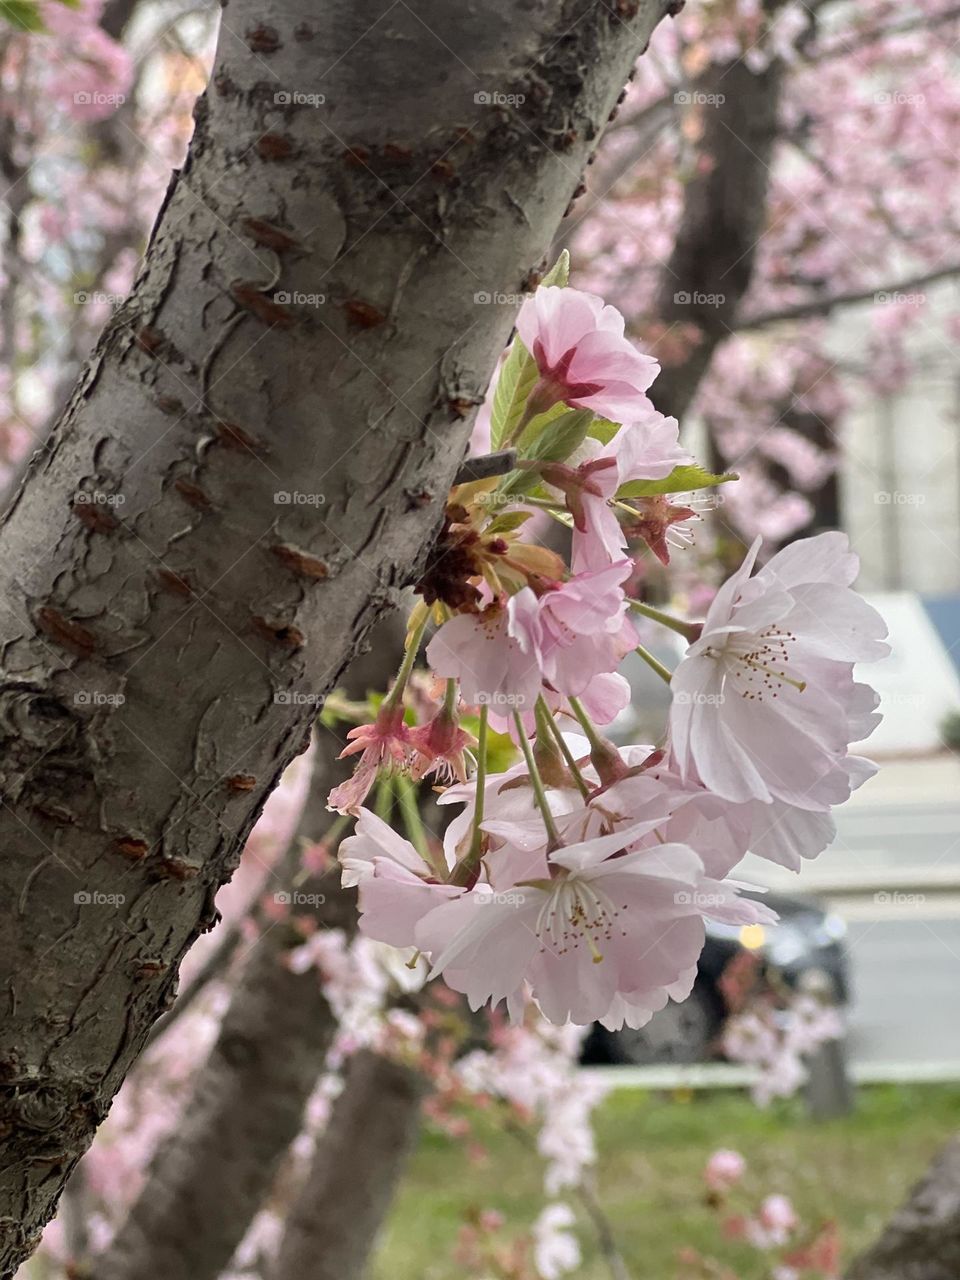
904 929
878 847
906 979
906 838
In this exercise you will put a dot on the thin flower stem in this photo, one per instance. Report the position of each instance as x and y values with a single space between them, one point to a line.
450 695
463 871
655 664
555 510
688 630
406 666
606 1239
586 724
545 716
530 412
481 782
383 799
553 836
546 504
406 793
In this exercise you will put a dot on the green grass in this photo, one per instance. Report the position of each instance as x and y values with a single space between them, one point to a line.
652 1151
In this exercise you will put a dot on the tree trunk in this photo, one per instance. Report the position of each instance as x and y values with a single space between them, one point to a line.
332 1227
724 214
922 1239
241 482
214 1171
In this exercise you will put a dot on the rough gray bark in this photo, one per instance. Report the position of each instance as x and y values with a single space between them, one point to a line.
208 605
724 213
922 1239
332 1226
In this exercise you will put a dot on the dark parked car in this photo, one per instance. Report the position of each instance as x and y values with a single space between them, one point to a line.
806 939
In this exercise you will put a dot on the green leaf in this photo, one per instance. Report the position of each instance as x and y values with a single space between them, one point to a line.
526 445
562 436
518 482
680 480
507 522
517 379
22 15
603 429
551 437
559 273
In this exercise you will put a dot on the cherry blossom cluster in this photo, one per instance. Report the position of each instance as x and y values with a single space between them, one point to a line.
862 201
772 1027
582 874
777 1041
789 1247
550 1250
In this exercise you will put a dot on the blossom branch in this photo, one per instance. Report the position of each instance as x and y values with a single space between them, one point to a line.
823 306
486 465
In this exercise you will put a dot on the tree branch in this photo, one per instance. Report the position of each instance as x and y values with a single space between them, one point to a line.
332 1226
844 47
823 306
922 1239
724 214
486 465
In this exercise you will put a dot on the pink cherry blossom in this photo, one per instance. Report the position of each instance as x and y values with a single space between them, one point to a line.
440 746
584 627
724 1169
556 1251
95 71
668 521
494 654
582 355
778 1218
504 657
751 1037
605 697
397 887
810 1023
764 702
383 744
607 923
645 449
